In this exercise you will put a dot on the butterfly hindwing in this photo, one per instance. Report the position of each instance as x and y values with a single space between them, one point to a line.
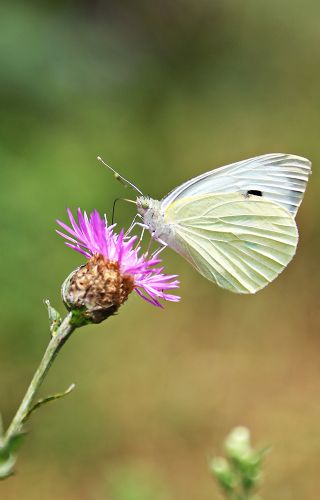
240 242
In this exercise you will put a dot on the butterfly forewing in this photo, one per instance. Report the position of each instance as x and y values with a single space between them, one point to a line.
240 242
280 178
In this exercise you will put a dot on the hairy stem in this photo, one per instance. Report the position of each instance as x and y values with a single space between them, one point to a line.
55 344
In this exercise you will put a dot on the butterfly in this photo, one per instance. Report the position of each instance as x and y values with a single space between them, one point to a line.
235 224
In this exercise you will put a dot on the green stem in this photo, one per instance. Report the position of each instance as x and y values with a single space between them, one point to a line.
61 335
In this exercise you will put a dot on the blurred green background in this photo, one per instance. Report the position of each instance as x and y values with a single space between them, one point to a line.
163 91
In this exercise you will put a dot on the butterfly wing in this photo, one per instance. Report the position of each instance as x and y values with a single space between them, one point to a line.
280 178
240 243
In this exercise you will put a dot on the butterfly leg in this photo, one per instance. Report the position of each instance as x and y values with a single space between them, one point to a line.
144 227
160 249
133 223
140 224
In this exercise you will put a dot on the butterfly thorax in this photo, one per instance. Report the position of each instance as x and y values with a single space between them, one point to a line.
153 217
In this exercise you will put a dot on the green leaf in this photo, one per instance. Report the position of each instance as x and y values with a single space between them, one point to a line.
47 399
80 318
8 450
7 467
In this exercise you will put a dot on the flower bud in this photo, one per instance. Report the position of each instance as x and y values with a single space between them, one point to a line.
221 469
97 289
237 444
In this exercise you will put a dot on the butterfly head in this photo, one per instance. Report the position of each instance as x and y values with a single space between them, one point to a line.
143 204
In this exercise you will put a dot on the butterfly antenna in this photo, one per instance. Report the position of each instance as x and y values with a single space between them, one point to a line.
119 177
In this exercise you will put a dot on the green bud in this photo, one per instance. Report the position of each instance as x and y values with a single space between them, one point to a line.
237 444
221 470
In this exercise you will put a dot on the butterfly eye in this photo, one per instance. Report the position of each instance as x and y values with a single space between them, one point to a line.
143 203
255 192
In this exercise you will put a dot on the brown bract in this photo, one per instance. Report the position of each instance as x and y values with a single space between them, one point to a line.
98 288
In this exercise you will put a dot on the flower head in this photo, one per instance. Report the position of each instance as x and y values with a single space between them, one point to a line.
114 267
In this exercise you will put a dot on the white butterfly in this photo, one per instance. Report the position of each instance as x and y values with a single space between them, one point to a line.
234 224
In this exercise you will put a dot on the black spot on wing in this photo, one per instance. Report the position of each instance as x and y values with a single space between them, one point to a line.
255 192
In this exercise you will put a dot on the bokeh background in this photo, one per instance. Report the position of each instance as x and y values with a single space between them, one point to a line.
163 91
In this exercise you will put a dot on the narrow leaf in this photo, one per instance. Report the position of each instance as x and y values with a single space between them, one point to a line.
8 451
54 317
47 399
7 467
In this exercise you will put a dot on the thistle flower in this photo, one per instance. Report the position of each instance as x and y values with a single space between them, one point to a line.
113 270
